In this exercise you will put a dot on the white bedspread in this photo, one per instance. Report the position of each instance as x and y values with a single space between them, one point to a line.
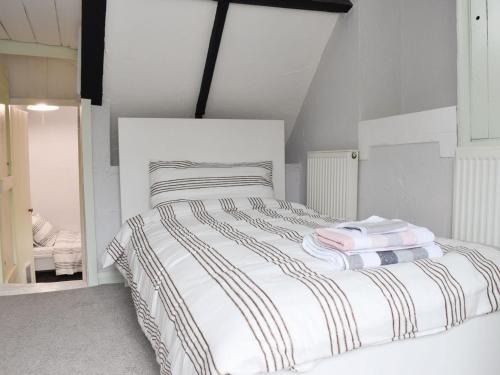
224 287
67 252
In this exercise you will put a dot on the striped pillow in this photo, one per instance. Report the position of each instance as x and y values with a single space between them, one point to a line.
44 234
173 181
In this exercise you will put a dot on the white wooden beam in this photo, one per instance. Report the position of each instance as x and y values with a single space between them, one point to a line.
87 180
54 101
436 125
11 47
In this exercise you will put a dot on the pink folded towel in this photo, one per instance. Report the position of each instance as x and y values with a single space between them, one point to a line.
353 240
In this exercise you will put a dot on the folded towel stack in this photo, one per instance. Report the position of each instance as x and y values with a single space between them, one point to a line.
371 243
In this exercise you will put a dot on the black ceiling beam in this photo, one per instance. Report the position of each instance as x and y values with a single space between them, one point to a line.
334 6
92 49
213 52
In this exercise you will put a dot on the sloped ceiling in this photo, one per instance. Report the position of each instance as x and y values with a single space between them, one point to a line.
267 60
155 52
51 22
154 55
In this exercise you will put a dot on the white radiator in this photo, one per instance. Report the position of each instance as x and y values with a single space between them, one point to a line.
332 183
476 204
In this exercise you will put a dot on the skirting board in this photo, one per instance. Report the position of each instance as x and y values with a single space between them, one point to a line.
110 276
437 125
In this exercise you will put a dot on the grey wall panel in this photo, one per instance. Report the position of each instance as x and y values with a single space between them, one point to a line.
411 182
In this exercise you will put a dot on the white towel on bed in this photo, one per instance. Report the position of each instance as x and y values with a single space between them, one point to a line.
341 261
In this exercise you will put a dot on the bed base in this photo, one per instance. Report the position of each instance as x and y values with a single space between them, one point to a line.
472 348
44 263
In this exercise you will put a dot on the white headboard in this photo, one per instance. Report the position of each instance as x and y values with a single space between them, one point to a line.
142 140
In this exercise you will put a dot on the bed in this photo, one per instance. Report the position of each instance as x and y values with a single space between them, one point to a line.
221 286
64 257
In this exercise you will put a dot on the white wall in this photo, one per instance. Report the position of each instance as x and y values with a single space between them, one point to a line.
54 174
39 77
384 58
329 115
428 55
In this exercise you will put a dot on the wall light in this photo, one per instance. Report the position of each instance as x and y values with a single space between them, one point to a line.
42 107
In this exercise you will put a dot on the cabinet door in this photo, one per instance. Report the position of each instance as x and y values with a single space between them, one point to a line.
479 70
485 69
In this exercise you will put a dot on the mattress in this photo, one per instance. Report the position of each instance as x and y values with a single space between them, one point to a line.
65 257
224 287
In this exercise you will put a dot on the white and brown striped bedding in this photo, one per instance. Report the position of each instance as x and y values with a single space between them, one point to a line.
66 251
224 287
43 232
173 181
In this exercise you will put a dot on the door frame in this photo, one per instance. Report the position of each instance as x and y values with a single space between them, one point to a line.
464 67
86 180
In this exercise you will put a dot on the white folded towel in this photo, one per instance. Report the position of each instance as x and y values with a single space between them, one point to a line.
375 225
341 261
355 241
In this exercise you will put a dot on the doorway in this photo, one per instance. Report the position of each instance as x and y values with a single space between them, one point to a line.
15 218
54 191
15 215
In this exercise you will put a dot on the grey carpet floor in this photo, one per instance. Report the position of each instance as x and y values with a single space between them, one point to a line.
84 331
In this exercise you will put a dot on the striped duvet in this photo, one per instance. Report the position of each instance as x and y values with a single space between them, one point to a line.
224 287
68 253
